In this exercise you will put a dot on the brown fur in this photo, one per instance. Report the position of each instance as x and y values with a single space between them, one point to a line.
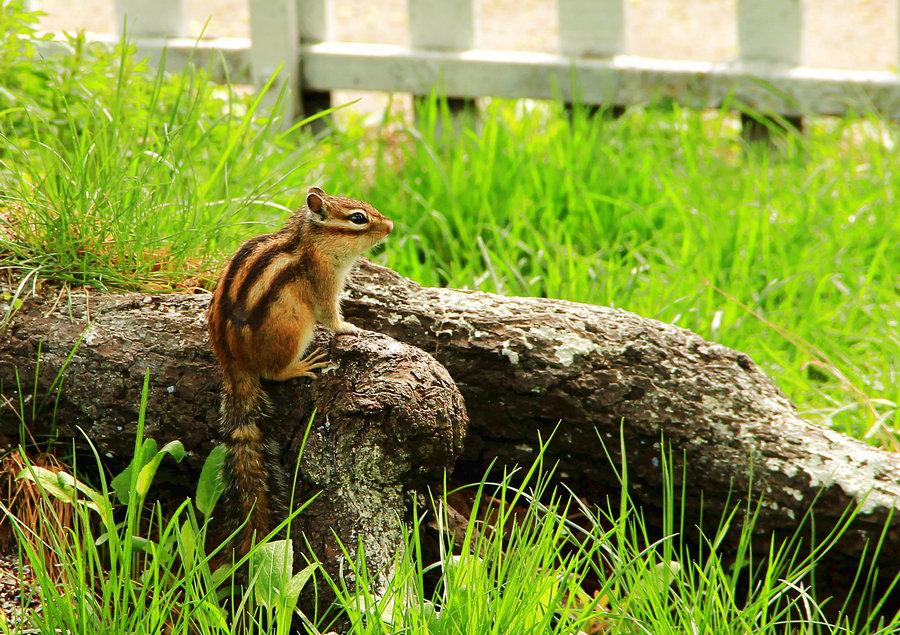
261 320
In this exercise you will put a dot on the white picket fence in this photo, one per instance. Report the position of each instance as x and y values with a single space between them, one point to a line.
592 64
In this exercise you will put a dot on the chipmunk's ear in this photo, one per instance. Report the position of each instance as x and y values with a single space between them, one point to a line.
315 201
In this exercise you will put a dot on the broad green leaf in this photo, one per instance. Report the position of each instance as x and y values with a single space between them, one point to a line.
121 483
214 613
187 543
99 503
175 449
141 544
297 582
211 484
272 564
432 616
145 476
87 490
50 482
92 506
220 574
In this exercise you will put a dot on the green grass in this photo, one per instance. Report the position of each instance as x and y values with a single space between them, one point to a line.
526 562
116 177
103 567
529 559
790 255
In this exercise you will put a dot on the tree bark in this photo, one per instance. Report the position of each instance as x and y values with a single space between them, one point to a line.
386 418
528 368
597 379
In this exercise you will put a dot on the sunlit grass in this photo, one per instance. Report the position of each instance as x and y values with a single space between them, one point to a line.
116 177
789 253
530 559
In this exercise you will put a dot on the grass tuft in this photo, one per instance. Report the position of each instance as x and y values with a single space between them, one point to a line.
113 176
532 559
116 177
119 177
788 254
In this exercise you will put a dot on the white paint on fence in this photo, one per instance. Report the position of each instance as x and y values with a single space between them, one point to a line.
444 25
623 80
160 18
593 27
770 31
316 20
274 35
592 64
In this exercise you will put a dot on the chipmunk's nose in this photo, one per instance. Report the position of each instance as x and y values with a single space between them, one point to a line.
390 226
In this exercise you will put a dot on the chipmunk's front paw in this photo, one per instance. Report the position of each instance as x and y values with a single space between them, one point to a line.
345 328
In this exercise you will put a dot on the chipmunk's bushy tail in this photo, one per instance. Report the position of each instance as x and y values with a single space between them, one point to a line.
255 482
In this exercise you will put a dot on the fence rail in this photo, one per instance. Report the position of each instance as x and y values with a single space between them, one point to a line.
592 64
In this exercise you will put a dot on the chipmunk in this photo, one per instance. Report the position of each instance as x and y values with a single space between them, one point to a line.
261 318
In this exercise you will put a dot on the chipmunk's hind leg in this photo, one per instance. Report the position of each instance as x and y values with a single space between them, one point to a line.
283 338
304 367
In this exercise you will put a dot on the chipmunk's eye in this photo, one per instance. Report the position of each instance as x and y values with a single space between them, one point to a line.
359 219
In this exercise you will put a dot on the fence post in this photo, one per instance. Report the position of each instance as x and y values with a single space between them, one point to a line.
161 18
315 24
444 25
593 28
275 48
769 32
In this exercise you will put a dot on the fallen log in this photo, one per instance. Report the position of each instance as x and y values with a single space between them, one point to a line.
588 377
527 367
386 418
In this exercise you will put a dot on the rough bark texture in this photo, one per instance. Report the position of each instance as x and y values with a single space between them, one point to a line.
525 367
388 420
529 366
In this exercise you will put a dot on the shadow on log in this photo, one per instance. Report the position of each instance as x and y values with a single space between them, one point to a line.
524 366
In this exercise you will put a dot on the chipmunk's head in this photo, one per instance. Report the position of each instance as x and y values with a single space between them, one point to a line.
345 224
